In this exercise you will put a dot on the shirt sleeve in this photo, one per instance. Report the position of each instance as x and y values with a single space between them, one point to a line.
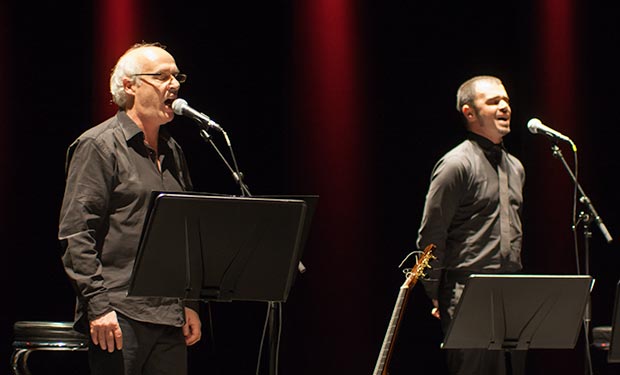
442 200
89 182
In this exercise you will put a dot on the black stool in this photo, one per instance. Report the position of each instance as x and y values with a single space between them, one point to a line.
29 336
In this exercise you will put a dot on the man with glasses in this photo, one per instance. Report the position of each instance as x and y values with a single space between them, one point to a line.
111 171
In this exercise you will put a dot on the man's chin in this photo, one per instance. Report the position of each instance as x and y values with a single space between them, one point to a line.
168 115
503 129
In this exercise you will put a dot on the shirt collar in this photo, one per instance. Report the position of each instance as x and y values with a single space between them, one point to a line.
130 129
492 151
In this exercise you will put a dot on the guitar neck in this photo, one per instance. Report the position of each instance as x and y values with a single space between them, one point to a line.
390 335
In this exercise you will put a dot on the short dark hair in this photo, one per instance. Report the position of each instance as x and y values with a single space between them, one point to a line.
466 93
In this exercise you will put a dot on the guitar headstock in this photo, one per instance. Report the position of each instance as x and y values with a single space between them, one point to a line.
421 265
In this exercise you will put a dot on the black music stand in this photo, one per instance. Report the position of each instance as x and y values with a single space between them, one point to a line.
519 312
219 248
613 356
311 203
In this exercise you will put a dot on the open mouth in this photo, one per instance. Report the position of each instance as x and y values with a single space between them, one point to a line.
168 102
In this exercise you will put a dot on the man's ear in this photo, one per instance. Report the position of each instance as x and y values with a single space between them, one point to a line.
129 86
468 112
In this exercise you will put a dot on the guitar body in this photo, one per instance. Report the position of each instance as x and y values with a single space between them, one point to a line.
397 313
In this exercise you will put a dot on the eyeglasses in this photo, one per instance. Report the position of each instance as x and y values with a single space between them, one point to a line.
164 77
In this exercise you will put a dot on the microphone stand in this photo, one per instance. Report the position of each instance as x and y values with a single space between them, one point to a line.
594 216
586 218
237 175
275 308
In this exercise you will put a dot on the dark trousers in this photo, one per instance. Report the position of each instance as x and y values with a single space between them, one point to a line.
472 361
148 349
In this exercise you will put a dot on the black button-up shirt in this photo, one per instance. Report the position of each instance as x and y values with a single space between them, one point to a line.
110 176
462 211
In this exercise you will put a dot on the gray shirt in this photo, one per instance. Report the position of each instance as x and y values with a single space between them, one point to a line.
461 213
110 176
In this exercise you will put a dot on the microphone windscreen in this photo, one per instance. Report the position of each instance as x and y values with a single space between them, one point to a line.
178 105
533 125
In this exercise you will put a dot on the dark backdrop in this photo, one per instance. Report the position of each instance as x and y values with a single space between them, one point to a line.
242 59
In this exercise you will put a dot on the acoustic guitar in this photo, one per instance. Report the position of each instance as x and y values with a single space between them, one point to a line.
397 314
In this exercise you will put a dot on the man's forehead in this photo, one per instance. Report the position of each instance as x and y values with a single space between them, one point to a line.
490 89
154 53
151 55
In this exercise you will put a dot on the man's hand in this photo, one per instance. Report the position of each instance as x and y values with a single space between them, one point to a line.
435 310
192 328
106 332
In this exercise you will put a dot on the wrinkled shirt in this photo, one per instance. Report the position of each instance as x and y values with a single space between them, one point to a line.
462 212
111 173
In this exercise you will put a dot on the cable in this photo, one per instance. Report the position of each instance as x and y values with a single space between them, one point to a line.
262 339
576 220
280 321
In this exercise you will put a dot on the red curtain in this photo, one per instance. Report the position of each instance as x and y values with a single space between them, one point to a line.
332 152
556 59
117 26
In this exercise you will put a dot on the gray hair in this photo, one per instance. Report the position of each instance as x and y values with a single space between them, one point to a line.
126 66
466 94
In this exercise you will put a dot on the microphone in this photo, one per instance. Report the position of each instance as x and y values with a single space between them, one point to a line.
180 107
537 127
